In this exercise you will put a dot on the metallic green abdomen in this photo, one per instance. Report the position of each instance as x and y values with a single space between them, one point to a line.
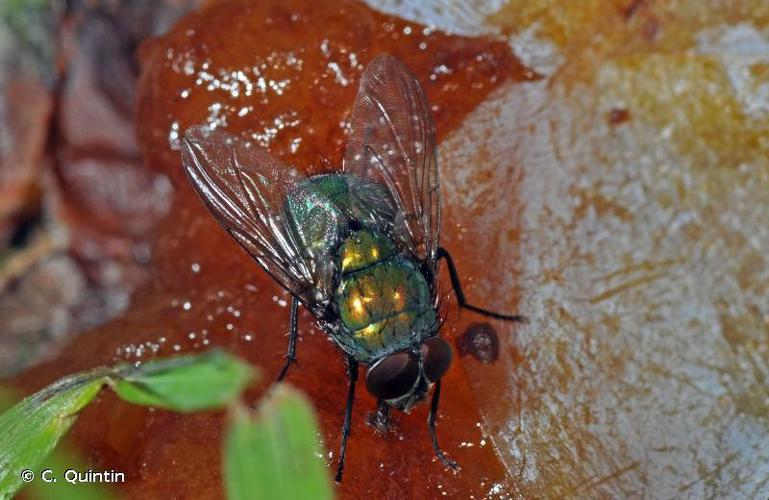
384 301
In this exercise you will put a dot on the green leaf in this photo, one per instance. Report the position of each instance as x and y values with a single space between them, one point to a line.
31 428
185 383
276 454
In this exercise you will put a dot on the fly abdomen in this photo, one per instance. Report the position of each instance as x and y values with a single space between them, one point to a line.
383 298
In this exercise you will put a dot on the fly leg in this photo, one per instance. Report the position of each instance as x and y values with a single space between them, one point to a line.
455 283
352 373
293 334
431 425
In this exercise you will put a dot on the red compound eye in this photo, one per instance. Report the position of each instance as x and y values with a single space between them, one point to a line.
393 376
436 355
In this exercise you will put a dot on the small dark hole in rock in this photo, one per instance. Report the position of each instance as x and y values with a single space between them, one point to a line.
480 341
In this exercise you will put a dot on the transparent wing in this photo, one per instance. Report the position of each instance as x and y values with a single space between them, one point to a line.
392 143
245 188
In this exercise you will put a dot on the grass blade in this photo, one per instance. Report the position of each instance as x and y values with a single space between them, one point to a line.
33 427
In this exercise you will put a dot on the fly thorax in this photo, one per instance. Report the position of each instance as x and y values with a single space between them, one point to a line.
317 213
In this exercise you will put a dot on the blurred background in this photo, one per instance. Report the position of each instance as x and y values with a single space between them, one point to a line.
605 170
75 199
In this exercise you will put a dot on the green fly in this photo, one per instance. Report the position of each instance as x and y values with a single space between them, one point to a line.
358 248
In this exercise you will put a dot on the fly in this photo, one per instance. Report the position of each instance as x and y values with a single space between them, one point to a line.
358 248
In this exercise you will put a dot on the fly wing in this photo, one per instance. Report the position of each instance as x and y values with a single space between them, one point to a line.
245 188
392 143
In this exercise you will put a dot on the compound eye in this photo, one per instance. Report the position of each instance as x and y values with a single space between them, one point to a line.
436 358
393 376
